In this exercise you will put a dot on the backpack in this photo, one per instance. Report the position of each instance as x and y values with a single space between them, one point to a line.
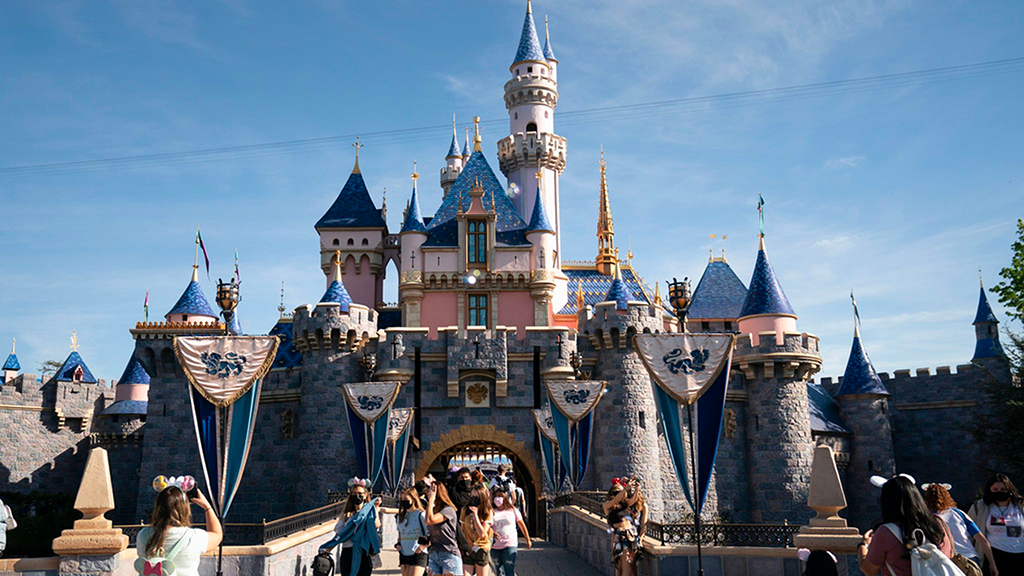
157 566
925 558
323 564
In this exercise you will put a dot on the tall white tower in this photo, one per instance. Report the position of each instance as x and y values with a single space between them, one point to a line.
532 145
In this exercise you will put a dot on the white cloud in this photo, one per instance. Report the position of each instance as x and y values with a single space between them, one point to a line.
844 162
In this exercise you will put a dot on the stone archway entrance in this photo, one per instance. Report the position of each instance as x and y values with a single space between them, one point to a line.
485 447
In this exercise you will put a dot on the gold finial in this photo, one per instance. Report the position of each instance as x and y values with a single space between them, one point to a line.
74 341
280 307
460 203
580 302
357 146
657 294
415 174
529 8
629 249
605 229
711 248
724 238
493 209
13 342
476 139
337 266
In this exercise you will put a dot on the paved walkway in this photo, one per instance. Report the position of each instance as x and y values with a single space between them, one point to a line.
542 560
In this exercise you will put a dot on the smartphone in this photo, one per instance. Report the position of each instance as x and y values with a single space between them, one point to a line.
193 493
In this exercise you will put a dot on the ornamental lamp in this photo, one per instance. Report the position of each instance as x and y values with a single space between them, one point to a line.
227 295
369 364
679 297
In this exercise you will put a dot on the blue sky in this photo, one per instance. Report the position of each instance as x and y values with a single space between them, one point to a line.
902 193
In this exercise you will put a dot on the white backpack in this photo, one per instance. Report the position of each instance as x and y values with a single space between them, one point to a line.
157 566
925 559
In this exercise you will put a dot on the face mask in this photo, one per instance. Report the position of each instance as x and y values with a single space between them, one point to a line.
360 497
1000 496
405 504
499 501
465 484
474 501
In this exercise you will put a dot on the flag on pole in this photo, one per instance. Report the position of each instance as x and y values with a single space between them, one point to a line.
145 305
238 277
206 257
760 211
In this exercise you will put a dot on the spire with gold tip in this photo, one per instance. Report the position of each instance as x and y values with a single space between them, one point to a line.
529 49
12 363
606 258
336 291
453 149
413 220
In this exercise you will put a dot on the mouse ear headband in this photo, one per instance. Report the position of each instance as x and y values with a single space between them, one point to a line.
184 483
926 485
880 481
353 482
803 554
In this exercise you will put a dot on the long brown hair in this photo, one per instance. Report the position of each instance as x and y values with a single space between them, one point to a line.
442 499
352 504
416 505
485 511
170 510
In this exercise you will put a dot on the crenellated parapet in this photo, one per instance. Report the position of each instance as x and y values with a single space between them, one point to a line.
324 328
608 328
530 150
531 89
796 357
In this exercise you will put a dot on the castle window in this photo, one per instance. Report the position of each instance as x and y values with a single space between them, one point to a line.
728 326
366 242
529 69
705 326
531 127
545 113
288 423
871 466
77 376
336 242
517 71
517 115
184 317
643 420
351 242
476 242
477 310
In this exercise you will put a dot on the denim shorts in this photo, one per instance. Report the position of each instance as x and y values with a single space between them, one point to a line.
444 562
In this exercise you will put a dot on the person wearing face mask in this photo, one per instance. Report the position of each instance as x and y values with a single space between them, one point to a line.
412 534
353 531
999 515
506 541
462 488
475 526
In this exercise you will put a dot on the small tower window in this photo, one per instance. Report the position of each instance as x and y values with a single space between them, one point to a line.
476 242
184 317
288 423
366 242
531 127
77 376
351 242
336 242
529 69
545 113
477 310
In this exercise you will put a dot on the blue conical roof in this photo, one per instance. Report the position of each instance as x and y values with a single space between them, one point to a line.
719 294
477 169
12 363
134 373
67 371
453 149
618 292
765 295
193 301
539 220
860 376
413 219
529 43
466 150
984 310
548 52
353 208
336 292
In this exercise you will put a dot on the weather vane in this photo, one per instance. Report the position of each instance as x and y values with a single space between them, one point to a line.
74 341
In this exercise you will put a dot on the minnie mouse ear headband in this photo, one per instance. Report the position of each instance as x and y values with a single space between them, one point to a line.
880 481
365 483
803 554
943 484
184 483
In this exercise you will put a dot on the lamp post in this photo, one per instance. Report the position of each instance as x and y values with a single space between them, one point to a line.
227 299
680 298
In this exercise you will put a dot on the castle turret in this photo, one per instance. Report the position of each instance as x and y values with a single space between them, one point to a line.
986 328
607 257
775 361
532 145
466 150
718 299
11 366
413 234
541 235
864 404
454 161
192 307
133 385
356 227
549 54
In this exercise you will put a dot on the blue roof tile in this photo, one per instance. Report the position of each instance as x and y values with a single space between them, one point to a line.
985 313
67 371
12 363
765 295
596 287
353 208
988 348
824 411
719 294
413 219
134 373
549 54
288 356
539 219
478 168
193 302
619 293
860 376
529 43
336 292
126 407
453 150
466 149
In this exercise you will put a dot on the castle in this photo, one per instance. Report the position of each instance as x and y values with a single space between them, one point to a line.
489 309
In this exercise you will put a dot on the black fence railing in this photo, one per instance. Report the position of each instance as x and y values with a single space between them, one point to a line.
386 500
712 534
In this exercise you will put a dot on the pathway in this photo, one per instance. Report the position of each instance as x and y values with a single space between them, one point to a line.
542 560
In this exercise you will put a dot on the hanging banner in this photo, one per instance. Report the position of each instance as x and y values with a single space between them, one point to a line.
223 368
575 398
542 418
397 447
690 369
684 365
572 420
369 419
224 373
545 425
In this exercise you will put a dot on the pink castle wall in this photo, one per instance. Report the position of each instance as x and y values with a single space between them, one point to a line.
438 309
131 392
360 283
515 309
778 324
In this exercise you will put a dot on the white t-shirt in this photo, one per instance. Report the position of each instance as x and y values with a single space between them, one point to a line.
963 530
1004 526
505 535
186 563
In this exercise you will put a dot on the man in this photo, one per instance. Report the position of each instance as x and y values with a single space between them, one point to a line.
462 488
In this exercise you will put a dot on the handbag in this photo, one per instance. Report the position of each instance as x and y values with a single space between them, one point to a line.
966 565
11 522
925 558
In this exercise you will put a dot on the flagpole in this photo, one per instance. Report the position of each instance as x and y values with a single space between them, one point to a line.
195 262
696 490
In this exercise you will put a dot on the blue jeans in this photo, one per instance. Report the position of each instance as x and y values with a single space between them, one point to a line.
444 562
504 561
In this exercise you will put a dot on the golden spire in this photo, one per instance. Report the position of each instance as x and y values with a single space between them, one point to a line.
337 268
529 8
74 341
415 175
606 254
476 139
580 302
280 307
357 146
657 294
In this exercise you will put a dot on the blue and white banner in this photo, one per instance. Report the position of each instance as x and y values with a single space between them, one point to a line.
225 374
397 447
690 369
554 471
572 420
369 419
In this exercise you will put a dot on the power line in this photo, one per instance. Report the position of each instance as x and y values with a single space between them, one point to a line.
567 118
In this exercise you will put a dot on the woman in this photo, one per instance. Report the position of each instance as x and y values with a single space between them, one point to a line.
353 525
444 558
967 537
412 534
476 530
903 512
1000 518
625 541
170 525
638 510
506 541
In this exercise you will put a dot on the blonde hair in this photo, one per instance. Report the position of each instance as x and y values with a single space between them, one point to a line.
416 505
171 509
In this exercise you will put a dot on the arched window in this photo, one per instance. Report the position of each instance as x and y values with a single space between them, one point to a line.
336 242
476 242
531 127
366 242
351 242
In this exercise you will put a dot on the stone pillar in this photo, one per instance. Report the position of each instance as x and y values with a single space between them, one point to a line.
93 545
827 531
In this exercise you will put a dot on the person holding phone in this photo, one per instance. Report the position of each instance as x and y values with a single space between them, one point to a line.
413 540
171 522
476 530
444 557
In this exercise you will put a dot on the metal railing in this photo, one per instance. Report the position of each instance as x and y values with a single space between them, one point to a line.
758 535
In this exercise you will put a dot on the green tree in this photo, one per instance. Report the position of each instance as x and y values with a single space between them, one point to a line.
49 368
1011 289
